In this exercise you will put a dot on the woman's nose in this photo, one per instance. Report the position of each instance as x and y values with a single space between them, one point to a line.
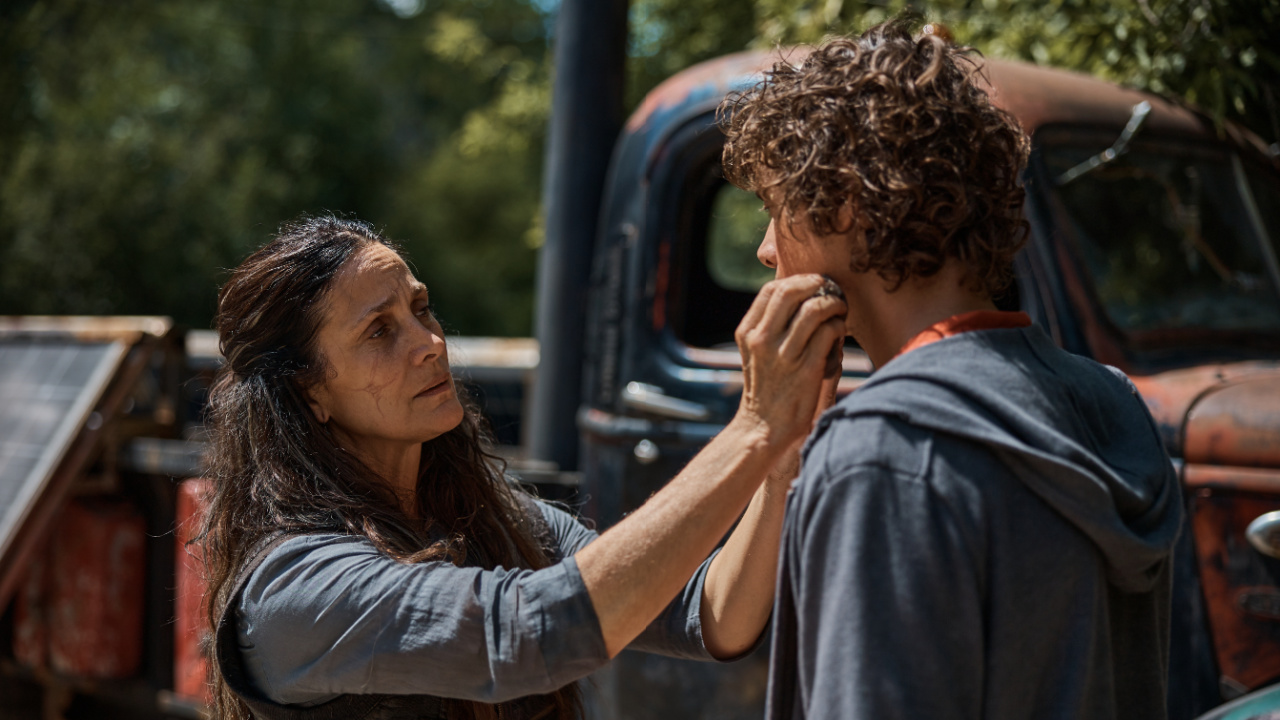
767 253
428 343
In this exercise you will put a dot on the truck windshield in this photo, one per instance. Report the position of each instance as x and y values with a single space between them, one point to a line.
1176 238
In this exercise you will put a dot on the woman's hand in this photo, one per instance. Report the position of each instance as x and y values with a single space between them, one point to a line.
788 467
786 339
634 570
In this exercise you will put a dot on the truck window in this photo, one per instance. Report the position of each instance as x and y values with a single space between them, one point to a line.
738 222
1174 237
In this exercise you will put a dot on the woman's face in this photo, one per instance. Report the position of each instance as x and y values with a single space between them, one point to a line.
387 376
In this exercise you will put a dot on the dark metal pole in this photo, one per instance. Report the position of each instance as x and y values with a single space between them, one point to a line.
586 115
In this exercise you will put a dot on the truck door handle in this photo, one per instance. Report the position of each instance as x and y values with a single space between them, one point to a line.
1264 534
651 399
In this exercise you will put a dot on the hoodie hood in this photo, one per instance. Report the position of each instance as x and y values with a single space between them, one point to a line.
1074 431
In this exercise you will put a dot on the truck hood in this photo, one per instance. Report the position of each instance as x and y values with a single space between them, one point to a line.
1218 414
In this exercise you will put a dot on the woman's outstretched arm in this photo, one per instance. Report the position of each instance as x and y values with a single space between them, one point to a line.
737 595
639 565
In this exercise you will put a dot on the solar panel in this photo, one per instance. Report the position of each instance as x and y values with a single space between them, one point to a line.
48 388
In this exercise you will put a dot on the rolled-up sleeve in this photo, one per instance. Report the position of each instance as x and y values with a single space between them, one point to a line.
677 631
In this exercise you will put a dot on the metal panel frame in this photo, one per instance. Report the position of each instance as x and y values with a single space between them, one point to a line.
55 450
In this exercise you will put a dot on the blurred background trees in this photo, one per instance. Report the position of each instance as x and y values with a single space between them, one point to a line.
145 147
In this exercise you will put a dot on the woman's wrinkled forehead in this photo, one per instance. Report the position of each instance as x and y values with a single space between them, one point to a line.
371 281
372 258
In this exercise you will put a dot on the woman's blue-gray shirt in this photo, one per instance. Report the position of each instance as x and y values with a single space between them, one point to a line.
328 615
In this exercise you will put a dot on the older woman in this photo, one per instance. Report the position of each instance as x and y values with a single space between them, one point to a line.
367 559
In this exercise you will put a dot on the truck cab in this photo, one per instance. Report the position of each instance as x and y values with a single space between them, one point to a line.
1153 248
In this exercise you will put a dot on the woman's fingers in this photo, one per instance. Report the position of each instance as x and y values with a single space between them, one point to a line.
827 338
808 319
787 299
786 340
756 311
768 320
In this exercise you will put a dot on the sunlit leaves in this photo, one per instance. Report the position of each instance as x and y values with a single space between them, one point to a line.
1221 54
145 146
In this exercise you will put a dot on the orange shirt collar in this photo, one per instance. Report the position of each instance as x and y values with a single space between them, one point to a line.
966 322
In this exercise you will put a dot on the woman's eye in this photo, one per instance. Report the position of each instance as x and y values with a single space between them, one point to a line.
425 311
378 331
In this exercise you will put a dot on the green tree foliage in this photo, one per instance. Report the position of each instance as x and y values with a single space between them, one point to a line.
1223 55
668 36
148 145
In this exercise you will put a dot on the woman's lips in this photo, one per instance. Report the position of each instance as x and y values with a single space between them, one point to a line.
436 389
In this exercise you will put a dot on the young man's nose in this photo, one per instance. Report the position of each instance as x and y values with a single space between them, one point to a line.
767 253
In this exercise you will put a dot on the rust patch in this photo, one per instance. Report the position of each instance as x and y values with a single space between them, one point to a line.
190 600
1237 582
81 614
1210 477
30 624
1236 424
715 77
1038 96
1170 395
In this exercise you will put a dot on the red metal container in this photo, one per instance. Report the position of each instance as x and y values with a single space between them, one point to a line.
189 663
80 611
30 627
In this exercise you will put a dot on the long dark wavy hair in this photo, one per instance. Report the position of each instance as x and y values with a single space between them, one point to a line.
274 467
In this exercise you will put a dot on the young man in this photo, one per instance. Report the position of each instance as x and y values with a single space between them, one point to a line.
984 529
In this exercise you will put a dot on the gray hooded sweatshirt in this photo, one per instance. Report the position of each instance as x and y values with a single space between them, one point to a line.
982 530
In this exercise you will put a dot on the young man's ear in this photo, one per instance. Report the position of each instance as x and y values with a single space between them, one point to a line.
845 218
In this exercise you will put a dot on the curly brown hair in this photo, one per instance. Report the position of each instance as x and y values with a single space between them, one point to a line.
896 129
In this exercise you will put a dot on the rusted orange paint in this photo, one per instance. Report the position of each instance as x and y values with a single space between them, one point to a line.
1212 477
1039 95
30 626
715 76
189 664
81 609
1170 395
1236 424
1247 644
